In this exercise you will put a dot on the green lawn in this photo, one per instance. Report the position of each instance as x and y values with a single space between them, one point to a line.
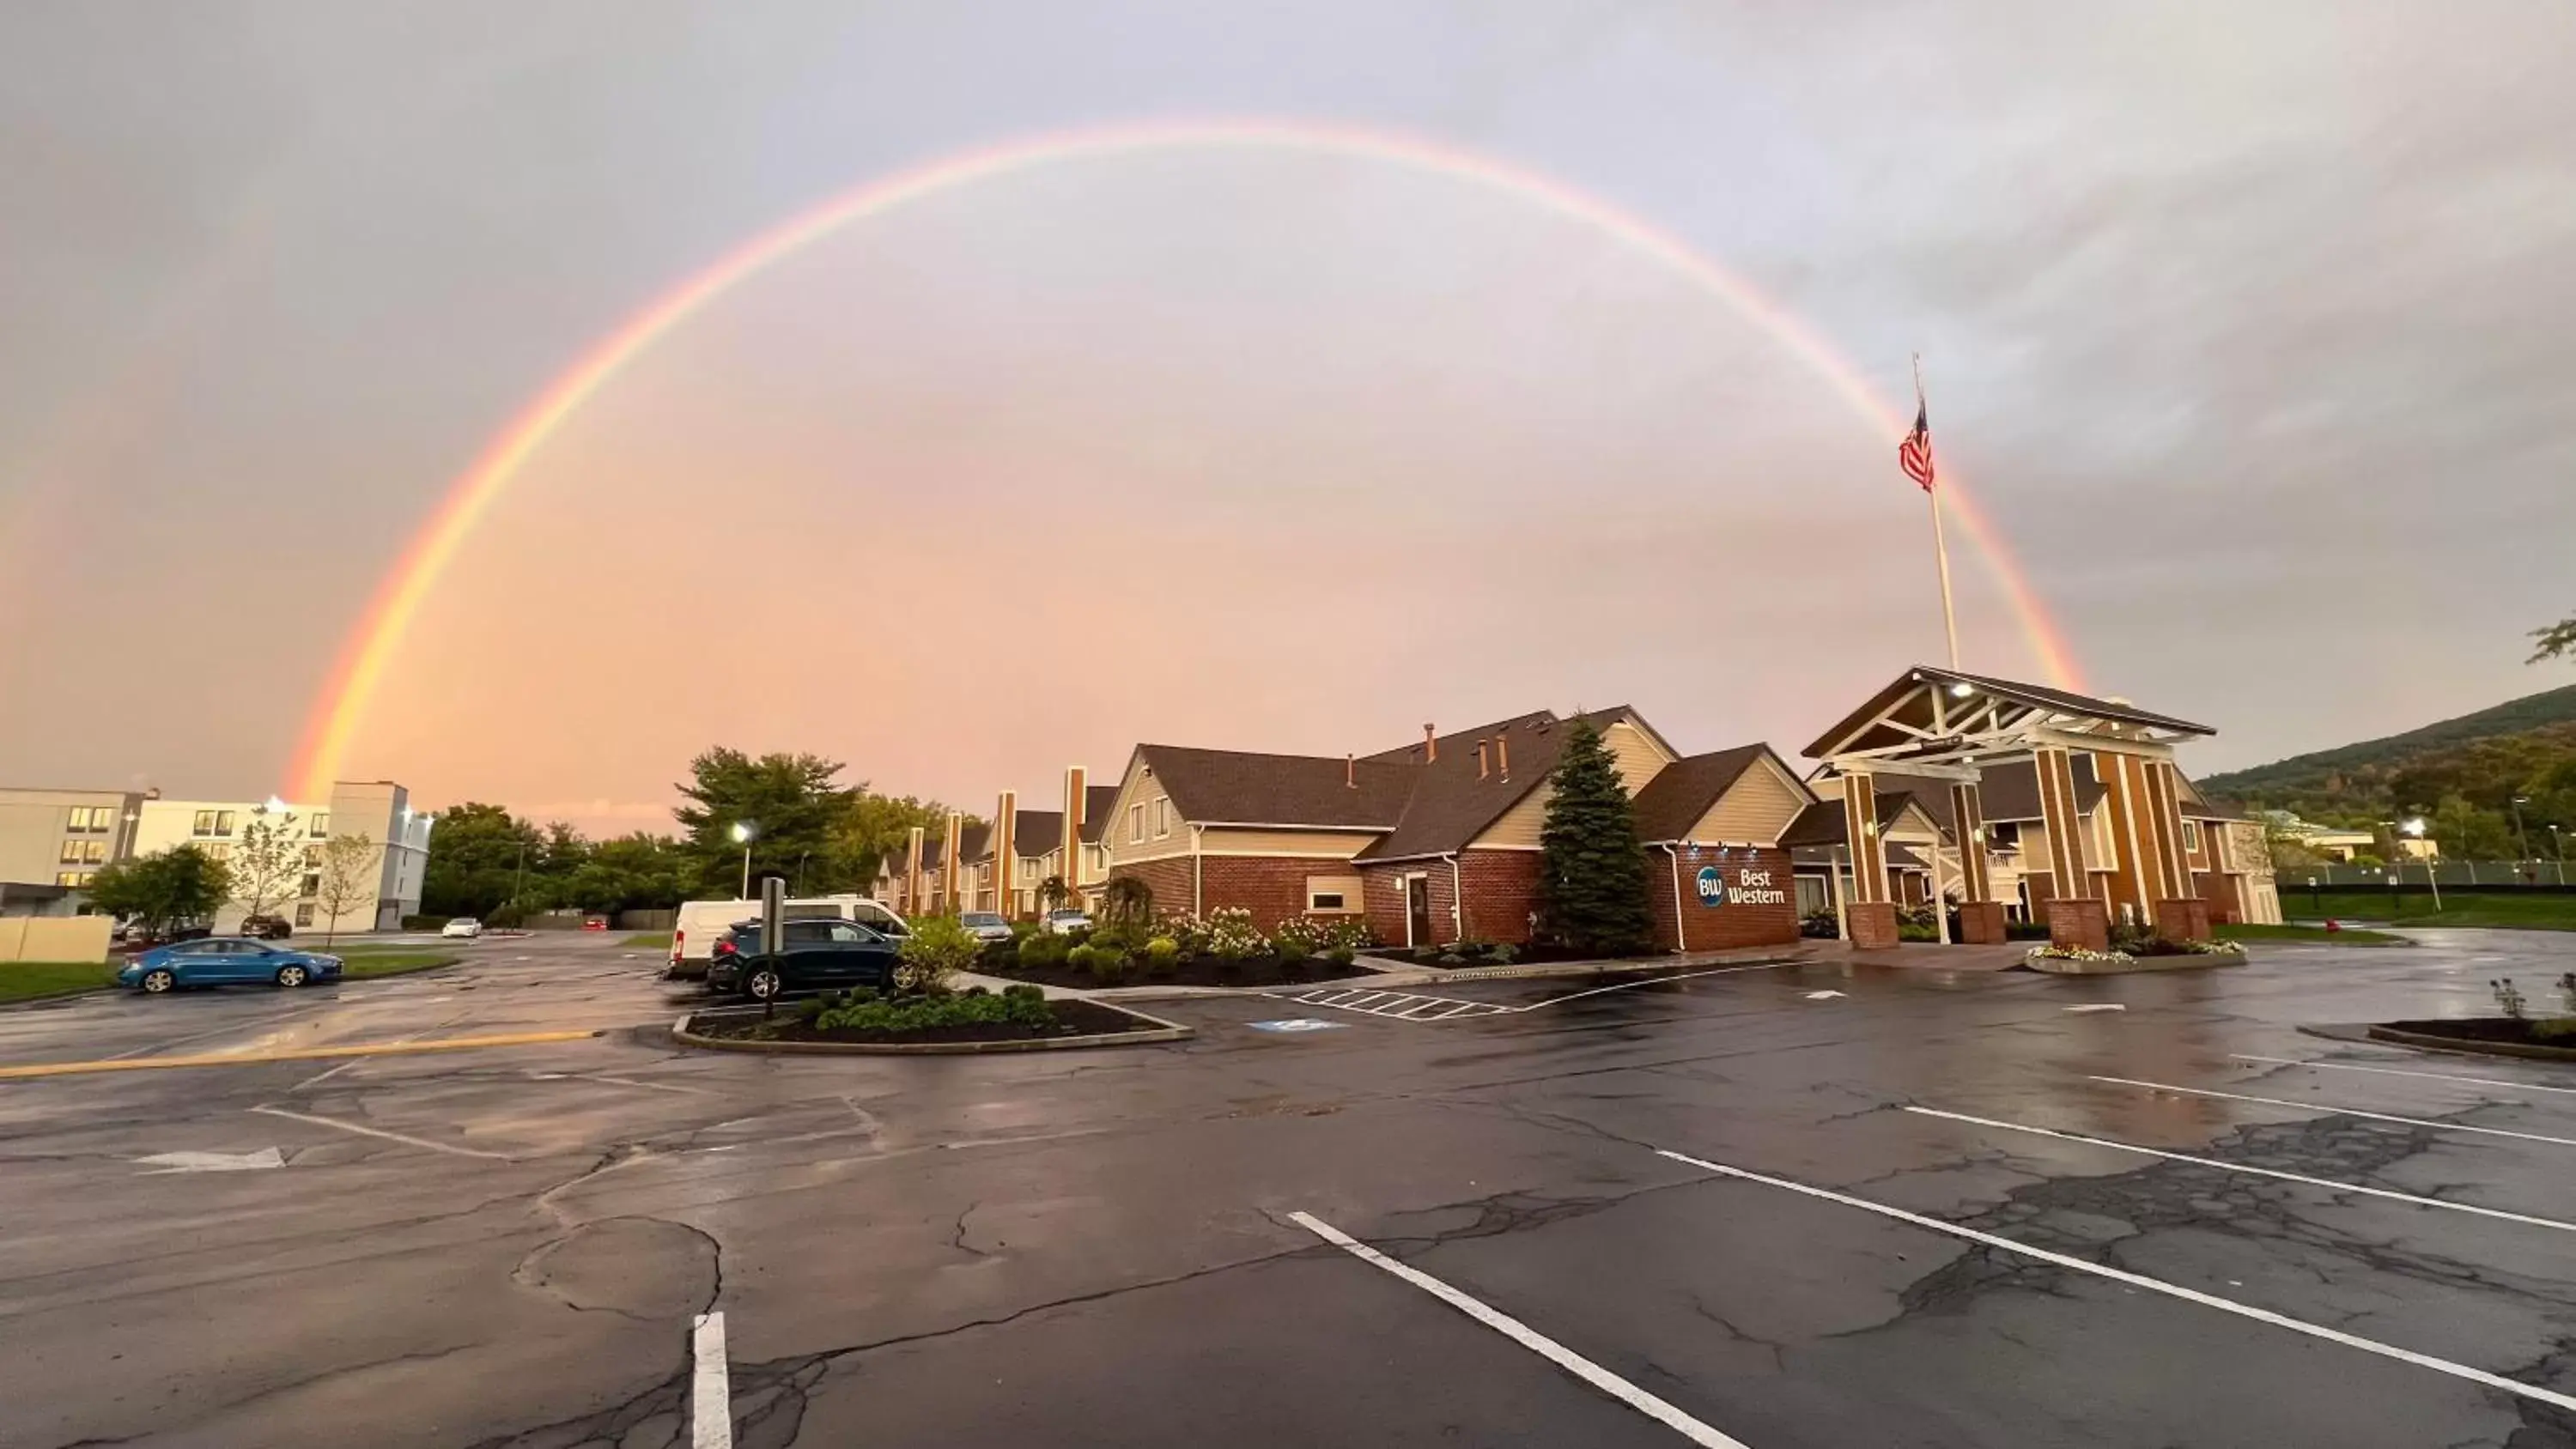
2346 937
2535 911
30 980
648 941
361 964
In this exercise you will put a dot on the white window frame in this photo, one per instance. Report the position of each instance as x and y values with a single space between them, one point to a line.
1136 823
1163 818
2191 836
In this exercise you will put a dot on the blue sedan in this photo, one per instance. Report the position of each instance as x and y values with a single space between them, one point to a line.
223 961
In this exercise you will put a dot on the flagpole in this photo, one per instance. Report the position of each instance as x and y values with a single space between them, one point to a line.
1940 546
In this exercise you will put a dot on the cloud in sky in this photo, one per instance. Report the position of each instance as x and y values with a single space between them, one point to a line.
2246 323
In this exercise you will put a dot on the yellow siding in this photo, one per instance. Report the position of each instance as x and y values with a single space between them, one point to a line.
1142 789
1640 760
1337 844
1756 808
1348 885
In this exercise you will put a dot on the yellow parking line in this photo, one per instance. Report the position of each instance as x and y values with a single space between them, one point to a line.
305 1054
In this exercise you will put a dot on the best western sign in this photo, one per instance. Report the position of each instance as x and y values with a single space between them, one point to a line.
1750 887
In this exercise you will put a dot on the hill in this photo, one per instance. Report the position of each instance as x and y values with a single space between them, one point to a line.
2467 768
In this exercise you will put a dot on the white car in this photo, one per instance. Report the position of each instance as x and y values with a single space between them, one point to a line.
1066 921
985 925
464 927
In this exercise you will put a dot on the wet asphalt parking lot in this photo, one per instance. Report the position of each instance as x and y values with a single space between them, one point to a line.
1802 1205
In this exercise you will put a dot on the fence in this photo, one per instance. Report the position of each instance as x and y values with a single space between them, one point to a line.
54 938
2544 874
647 920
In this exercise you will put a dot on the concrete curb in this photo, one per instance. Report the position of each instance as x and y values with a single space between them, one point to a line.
2525 1051
1160 1031
2054 966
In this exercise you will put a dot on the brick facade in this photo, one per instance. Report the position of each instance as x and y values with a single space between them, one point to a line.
1272 887
1500 886
1735 922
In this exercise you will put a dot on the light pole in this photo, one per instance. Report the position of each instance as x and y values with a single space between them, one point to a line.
743 831
2521 841
2414 826
2558 851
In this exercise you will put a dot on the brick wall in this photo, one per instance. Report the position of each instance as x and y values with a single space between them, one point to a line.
1734 925
1272 887
1500 886
1382 895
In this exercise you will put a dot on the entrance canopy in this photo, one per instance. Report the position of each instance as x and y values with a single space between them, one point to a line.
1937 717
1945 725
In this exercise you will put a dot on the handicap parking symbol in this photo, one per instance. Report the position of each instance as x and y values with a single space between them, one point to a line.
1297 1023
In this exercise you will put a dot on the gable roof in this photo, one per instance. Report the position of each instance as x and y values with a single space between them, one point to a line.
1238 787
1036 832
1097 802
1683 791
1856 730
1449 805
1822 822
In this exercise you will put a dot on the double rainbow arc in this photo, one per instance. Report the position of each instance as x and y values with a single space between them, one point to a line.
341 705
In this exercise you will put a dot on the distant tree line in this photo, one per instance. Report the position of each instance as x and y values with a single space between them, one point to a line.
805 827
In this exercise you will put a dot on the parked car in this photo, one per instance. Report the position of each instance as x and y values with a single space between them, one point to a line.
1066 920
816 956
225 960
462 928
985 925
266 928
594 923
141 937
702 923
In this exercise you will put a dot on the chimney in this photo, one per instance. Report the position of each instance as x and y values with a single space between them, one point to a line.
1351 772
1430 744
1502 754
1481 747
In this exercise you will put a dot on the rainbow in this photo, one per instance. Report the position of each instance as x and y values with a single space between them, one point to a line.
342 703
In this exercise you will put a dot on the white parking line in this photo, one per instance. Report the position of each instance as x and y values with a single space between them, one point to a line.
2152 1285
710 1385
380 1132
1653 981
1527 1337
2342 1111
2395 1072
2406 1197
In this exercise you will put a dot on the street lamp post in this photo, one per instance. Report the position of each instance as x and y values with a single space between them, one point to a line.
2521 840
743 831
2414 826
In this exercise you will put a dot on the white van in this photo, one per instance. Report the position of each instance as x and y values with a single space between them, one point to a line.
693 939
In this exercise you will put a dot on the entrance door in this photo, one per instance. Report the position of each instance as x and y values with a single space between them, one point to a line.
1417 910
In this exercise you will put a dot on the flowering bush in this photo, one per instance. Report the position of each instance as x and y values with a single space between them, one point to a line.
1230 936
1186 932
1297 938
1162 956
2078 953
938 948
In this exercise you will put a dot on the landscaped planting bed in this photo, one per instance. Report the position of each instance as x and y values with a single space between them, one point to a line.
1017 1015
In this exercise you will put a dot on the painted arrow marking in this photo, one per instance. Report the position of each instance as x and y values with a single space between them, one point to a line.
266 1157
1822 995
2100 1006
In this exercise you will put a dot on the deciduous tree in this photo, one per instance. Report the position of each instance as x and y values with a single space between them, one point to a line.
351 867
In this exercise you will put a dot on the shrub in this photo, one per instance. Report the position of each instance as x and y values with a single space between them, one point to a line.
1162 956
425 923
1188 931
1340 954
1108 966
2025 930
938 948
1297 938
1503 953
912 1013
1819 926
1127 901
1230 936
2508 997
1043 952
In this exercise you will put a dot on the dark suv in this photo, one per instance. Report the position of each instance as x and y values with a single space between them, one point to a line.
266 928
830 955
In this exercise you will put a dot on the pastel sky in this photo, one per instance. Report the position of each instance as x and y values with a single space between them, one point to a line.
2245 324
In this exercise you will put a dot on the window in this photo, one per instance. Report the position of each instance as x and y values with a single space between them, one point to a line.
94 852
1162 817
312 855
67 878
1135 824
304 915
2191 836
71 852
321 825
205 823
1324 901
224 823
89 819
312 885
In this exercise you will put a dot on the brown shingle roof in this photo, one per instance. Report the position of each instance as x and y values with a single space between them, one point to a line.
1237 787
1683 791
1449 805
1037 832
1851 732
1097 802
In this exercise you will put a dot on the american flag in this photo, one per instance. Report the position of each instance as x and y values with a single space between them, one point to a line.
1914 455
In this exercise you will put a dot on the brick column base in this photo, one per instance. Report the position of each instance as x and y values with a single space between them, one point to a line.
1981 923
1872 923
2079 921
2183 919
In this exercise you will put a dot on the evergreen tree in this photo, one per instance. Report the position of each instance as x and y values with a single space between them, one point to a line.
1592 871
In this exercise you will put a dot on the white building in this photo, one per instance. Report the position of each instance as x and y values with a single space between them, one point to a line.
378 810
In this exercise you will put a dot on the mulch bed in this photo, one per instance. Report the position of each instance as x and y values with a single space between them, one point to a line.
2487 1029
1521 956
1197 971
1072 1018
